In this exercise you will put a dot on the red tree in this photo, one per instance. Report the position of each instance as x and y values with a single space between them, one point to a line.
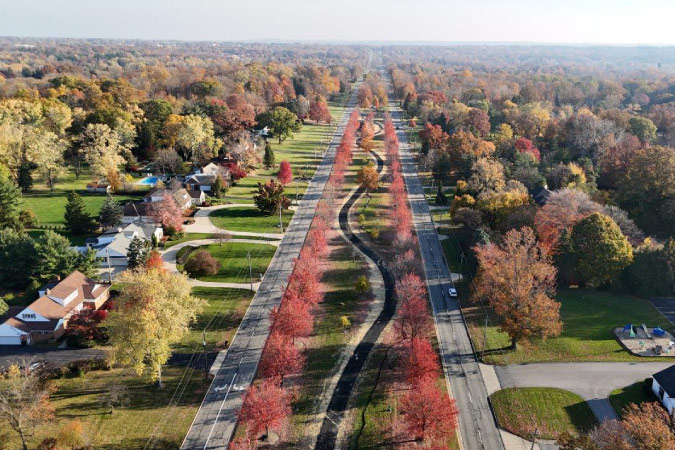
293 318
413 319
236 172
434 136
285 174
410 286
280 358
154 261
524 145
429 412
304 282
318 111
265 407
419 361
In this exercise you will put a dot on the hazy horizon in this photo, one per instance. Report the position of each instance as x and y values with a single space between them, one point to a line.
520 22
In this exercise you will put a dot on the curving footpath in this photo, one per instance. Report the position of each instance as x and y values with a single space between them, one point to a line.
216 418
338 403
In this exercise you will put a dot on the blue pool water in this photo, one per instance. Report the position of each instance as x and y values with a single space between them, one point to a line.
148 181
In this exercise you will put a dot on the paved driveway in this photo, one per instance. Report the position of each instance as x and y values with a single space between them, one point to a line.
13 353
592 380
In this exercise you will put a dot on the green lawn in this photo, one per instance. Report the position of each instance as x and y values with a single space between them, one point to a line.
589 318
49 206
233 258
639 392
221 316
552 411
247 218
299 151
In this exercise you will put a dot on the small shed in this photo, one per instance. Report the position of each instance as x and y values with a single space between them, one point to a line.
663 386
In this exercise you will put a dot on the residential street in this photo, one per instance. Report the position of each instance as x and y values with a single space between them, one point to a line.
476 422
215 421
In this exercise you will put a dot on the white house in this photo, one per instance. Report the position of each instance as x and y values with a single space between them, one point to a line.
114 243
663 386
47 317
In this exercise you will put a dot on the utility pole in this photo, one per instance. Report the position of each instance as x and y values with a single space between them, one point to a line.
250 270
281 223
206 358
107 252
484 337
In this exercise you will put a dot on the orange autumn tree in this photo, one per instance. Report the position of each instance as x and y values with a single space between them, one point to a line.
517 279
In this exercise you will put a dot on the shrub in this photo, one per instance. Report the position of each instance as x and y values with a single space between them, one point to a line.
362 284
202 263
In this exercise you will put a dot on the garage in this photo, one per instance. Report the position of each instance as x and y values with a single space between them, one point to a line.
10 335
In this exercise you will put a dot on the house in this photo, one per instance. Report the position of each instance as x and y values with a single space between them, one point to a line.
199 181
180 195
99 188
197 196
47 317
541 195
140 212
113 245
663 386
209 169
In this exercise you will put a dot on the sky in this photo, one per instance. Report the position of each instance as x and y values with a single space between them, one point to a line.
540 21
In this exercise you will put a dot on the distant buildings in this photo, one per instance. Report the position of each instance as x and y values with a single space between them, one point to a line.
47 317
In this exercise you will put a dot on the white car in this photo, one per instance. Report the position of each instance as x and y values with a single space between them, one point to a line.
453 292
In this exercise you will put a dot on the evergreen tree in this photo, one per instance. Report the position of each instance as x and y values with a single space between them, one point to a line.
268 159
16 258
10 204
219 187
111 212
77 218
138 253
54 257
25 176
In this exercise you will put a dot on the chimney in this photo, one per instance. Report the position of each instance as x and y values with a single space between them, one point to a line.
47 291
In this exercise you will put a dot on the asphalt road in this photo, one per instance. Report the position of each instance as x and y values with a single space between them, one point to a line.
478 430
215 421
591 380
666 306
343 389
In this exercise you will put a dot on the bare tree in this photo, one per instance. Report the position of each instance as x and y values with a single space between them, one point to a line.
24 401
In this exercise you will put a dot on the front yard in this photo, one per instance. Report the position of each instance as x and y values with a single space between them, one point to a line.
548 410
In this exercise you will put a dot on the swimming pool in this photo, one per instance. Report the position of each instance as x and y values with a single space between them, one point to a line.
148 181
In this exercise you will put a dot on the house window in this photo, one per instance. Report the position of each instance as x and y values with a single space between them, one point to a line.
28 316
661 392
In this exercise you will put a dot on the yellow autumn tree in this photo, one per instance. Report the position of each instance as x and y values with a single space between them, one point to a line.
154 311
